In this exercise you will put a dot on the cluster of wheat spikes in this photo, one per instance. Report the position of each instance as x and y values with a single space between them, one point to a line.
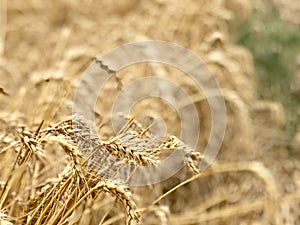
93 164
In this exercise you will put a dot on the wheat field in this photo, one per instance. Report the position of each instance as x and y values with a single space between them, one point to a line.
49 177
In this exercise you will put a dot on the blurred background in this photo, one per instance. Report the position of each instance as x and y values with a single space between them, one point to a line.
271 33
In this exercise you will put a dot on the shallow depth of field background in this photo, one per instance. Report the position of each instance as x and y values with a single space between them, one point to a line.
252 47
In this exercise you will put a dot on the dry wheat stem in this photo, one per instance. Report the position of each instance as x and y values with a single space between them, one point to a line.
228 211
253 166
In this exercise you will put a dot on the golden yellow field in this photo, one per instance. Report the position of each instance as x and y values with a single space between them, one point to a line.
49 177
